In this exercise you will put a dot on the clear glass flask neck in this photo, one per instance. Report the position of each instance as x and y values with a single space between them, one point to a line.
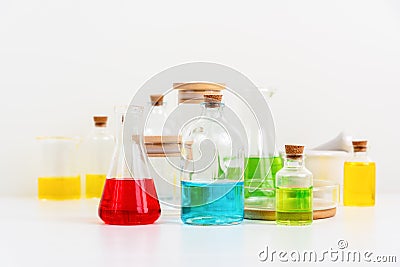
212 110
119 128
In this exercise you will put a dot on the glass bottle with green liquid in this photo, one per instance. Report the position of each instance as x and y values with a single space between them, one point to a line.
294 187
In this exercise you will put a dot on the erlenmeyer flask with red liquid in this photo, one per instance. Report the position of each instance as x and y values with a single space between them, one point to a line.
129 195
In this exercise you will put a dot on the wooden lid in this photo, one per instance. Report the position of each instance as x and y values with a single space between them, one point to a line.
100 121
199 86
193 96
163 155
166 139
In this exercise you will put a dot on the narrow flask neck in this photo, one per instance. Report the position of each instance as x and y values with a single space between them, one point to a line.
119 128
213 110
294 162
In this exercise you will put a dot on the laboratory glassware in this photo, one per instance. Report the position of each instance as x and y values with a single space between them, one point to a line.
129 195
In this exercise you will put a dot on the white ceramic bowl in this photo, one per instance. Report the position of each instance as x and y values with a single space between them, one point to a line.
326 165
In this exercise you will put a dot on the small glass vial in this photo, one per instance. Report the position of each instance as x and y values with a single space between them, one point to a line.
97 149
157 117
359 177
212 168
294 186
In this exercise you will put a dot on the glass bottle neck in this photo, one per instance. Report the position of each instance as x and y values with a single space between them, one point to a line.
99 129
360 154
213 110
294 163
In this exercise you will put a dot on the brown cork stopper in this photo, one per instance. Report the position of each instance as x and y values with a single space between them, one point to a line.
212 98
360 145
100 121
294 151
157 100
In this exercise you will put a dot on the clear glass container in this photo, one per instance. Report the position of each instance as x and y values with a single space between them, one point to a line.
261 167
96 151
157 118
129 195
190 96
161 147
294 190
58 177
326 197
359 177
212 168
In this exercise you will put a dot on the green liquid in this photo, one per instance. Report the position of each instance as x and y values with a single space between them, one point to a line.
294 206
259 181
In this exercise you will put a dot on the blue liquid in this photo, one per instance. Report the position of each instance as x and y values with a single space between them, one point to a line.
219 203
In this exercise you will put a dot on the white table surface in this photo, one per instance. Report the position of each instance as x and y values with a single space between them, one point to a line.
69 233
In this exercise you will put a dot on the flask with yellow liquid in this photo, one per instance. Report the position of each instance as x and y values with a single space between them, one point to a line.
359 177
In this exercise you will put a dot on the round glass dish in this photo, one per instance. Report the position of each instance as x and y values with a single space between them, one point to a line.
325 198
325 202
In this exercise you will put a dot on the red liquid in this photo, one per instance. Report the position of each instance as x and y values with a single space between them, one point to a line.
129 201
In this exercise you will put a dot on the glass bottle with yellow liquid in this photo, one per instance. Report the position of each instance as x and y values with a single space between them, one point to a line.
58 177
294 186
359 177
97 154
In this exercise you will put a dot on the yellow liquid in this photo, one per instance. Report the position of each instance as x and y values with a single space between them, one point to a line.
95 185
359 184
59 188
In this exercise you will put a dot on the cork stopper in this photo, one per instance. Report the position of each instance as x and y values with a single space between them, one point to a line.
157 100
360 145
212 98
100 121
294 151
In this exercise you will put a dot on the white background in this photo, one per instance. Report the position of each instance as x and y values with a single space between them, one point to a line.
336 65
